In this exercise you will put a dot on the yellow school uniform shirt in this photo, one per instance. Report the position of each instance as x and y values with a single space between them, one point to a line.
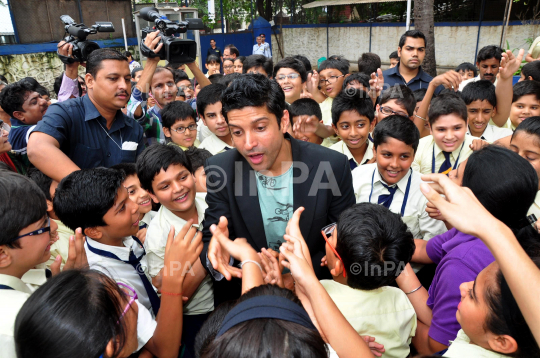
424 154
61 246
326 109
507 125
461 347
342 148
202 301
384 313
11 302
214 145
195 144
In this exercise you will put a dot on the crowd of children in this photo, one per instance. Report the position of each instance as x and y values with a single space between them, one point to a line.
439 254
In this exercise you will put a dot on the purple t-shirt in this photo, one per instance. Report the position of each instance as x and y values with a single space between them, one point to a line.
459 258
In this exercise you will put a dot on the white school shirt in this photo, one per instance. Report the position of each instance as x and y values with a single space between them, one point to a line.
326 109
146 325
471 80
148 217
342 148
202 301
461 347
492 133
535 207
214 145
118 270
421 225
11 302
424 154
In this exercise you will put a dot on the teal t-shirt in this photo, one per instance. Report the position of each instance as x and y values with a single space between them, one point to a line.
276 202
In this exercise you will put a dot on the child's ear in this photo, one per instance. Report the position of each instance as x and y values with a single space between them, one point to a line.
206 65
372 125
93 233
502 344
494 112
338 268
167 132
203 120
154 198
374 152
347 75
429 126
49 206
5 257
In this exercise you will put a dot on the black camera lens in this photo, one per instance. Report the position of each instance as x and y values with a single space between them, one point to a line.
87 47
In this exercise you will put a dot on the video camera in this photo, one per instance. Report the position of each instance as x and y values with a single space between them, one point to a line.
174 49
77 34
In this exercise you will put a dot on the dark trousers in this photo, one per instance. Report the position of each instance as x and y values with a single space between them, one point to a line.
190 327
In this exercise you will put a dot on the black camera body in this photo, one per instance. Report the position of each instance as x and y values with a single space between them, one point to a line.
174 49
77 34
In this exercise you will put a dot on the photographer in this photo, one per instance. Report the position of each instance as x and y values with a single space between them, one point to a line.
89 131
159 82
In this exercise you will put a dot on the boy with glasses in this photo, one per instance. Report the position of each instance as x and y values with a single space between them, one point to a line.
179 125
397 101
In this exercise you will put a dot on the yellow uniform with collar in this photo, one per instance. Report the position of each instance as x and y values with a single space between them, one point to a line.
424 154
214 145
342 148
195 144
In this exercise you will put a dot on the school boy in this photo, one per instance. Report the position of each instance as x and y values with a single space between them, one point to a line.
448 145
391 182
332 73
209 109
352 120
197 158
166 173
397 100
179 125
306 107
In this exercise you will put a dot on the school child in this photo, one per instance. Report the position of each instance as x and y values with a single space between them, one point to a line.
212 65
397 100
391 182
467 70
332 73
166 173
179 125
198 157
306 107
291 75
209 110
352 120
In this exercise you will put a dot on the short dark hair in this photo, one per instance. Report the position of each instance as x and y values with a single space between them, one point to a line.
156 157
43 91
523 88
368 63
174 65
397 127
14 95
41 180
379 238
211 327
305 106
23 203
294 64
135 70
361 78
96 57
128 169
254 91
241 59
83 197
127 53
255 61
488 52
419 94
403 96
305 61
482 90
393 55
176 111
226 80
216 77
212 59
233 49
77 312
180 75
32 81
336 62
445 104
209 95
197 157
414 34
530 126
358 101
531 69
467 66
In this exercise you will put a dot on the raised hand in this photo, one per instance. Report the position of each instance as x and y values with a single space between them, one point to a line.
510 63
271 268
218 255
376 84
181 250
152 41
376 348
76 255
449 79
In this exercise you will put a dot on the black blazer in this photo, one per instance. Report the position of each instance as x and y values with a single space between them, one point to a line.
322 184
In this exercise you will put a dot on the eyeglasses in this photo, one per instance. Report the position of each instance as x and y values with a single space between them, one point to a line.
186 87
38 231
326 232
330 80
191 127
130 292
389 112
228 67
291 76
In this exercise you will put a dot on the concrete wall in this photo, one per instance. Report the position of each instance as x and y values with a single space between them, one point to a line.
453 44
43 66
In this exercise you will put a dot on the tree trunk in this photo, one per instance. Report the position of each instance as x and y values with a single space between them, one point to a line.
424 21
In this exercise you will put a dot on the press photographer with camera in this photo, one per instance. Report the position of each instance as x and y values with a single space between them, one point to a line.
159 81
70 83
89 131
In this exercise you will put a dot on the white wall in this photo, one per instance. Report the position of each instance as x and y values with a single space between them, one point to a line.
453 44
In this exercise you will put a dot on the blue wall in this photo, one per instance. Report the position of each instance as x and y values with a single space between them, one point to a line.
19 49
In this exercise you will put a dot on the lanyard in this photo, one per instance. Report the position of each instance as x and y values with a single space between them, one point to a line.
135 262
6 287
455 164
405 198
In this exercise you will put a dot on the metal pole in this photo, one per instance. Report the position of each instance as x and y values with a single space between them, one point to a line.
479 27
252 24
408 23
15 32
80 11
125 37
222 21
327 21
505 26
504 20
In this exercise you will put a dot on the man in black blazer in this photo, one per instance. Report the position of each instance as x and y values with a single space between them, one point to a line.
255 110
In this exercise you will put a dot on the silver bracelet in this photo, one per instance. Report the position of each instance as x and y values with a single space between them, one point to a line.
413 291
252 261
416 115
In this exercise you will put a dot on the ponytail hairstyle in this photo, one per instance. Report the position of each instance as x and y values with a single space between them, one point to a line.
505 317
74 314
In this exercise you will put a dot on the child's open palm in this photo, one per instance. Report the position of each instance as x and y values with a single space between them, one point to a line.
76 255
